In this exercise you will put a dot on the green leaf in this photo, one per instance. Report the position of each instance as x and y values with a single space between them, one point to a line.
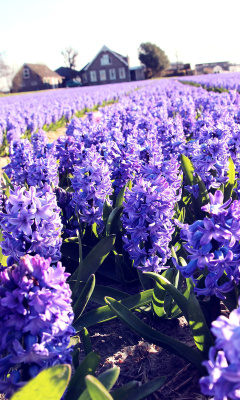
203 197
71 239
103 314
94 229
96 389
79 270
95 258
7 181
159 294
86 341
121 194
84 297
182 214
188 169
201 334
153 336
100 292
107 378
228 188
3 259
125 391
172 290
74 340
107 209
147 388
194 179
112 220
77 383
49 384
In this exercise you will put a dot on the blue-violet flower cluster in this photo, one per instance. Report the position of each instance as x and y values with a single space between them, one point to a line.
31 224
92 184
223 366
147 214
35 320
213 244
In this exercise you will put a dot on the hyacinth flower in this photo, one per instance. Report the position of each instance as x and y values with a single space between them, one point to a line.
223 366
213 245
126 164
64 201
210 160
39 142
43 170
35 323
91 184
21 155
69 153
31 224
147 214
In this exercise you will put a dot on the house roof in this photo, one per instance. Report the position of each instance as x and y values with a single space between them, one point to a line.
138 67
43 71
105 48
66 72
213 64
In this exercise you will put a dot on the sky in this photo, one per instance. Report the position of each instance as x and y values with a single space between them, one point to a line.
193 31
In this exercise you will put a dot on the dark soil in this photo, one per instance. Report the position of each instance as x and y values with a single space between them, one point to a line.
143 361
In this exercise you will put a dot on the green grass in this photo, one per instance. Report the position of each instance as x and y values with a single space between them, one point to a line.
30 92
209 88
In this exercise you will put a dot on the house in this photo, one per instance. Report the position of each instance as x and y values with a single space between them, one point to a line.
213 68
106 67
68 74
178 69
35 77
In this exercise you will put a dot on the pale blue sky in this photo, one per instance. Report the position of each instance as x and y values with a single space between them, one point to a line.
199 31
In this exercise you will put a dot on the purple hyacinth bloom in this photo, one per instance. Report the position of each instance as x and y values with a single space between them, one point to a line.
21 155
36 317
31 223
223 366
213 244
43 170
92 185
39 142
147 214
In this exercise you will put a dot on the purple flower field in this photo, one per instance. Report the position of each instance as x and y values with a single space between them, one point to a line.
144 193
230 80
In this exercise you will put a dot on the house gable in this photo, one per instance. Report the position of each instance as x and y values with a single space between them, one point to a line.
35 77
106 67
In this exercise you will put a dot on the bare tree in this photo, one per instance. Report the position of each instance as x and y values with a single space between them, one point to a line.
4 69
6 74
70 57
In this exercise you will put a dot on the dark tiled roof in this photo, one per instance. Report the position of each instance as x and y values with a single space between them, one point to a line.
66 72
43 71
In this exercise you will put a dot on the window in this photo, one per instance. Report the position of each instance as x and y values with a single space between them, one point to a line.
122 73
93 76
102 75
34 83
106 60
112 74
26 73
